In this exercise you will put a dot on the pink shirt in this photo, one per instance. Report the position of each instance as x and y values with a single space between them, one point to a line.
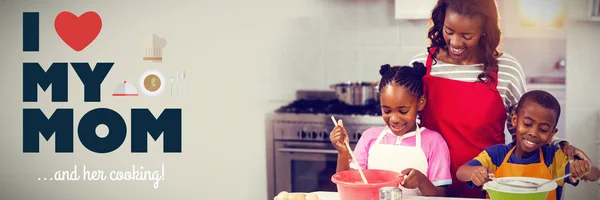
432 143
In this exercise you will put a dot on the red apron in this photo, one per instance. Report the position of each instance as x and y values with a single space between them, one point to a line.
469 115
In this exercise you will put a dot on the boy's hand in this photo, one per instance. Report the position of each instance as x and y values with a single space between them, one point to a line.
338 137
414 178
579 168
481 175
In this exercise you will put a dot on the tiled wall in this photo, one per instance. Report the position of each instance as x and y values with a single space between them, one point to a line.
344 40
347 40
537 56
583 94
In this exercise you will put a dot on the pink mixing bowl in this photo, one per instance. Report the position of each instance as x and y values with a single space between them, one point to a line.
351 187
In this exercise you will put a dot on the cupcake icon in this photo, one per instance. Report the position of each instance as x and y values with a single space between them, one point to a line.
125 89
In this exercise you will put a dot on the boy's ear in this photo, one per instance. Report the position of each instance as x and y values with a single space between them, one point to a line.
513 119
422 102
552 135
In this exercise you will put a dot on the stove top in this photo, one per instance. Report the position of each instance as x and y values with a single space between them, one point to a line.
335 106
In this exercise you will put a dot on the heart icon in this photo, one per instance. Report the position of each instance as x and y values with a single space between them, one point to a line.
78 32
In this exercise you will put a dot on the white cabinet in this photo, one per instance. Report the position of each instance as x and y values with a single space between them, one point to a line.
597 145
539 19
413 9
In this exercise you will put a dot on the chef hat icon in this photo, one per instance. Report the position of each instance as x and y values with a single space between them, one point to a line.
153 46
125 89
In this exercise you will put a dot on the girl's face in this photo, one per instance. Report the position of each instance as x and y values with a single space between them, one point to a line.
462 35
399 108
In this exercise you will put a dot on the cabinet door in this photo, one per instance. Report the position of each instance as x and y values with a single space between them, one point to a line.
597 161
533 18
413 9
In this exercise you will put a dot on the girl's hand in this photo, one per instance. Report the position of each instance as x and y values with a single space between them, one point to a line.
481 175
579 168
414 178
338 137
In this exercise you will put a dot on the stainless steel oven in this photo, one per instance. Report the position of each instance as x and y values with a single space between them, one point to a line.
304 167
300 157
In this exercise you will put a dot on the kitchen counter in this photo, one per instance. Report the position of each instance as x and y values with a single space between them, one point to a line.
335 196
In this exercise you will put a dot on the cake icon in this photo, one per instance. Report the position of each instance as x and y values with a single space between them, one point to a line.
125 89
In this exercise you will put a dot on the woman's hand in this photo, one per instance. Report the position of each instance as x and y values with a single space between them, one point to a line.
338 137
414 178
579 168
572 151
481 175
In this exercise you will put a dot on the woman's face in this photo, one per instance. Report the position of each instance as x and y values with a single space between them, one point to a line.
462 35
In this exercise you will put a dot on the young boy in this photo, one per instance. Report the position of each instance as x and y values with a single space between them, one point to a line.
529 155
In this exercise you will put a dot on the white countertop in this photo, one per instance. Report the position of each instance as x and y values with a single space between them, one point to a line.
335 196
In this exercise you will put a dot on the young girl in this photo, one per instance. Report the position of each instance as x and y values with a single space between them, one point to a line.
420 154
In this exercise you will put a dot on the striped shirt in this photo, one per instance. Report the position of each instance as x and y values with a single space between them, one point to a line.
511 82
511 79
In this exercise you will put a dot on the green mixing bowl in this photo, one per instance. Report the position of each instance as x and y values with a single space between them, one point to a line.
500 192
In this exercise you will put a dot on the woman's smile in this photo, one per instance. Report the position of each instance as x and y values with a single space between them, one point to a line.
457 51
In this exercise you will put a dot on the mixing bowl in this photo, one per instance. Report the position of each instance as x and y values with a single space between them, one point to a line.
498 191
351 187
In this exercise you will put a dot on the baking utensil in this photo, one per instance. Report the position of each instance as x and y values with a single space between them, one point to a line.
172 79
362 175
527 184
177 84
182 82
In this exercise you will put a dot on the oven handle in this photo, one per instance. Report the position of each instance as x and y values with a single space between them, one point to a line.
318 151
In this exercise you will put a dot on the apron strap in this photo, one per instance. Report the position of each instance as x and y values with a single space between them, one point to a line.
418 136
495 75
542 157
429 61
382 134
387 129
512 149
508 154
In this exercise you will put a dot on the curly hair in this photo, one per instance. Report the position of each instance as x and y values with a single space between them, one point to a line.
487 10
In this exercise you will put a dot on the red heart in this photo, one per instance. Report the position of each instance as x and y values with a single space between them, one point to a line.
78 32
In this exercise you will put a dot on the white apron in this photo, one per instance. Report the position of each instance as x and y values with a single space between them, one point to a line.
397 158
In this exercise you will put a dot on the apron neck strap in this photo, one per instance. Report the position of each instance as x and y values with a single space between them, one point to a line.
542 157
508 154
513 149
429 61
418 136
382 134
387 129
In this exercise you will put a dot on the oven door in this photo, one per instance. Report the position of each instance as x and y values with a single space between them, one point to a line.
305 166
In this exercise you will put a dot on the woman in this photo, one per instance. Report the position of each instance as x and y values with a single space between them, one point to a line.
470 85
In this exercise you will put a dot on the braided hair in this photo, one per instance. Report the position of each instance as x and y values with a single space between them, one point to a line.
406 76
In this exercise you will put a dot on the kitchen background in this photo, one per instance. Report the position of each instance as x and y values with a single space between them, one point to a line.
244 60
348 40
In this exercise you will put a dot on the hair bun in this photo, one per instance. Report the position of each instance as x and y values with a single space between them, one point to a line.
384 69
420 69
